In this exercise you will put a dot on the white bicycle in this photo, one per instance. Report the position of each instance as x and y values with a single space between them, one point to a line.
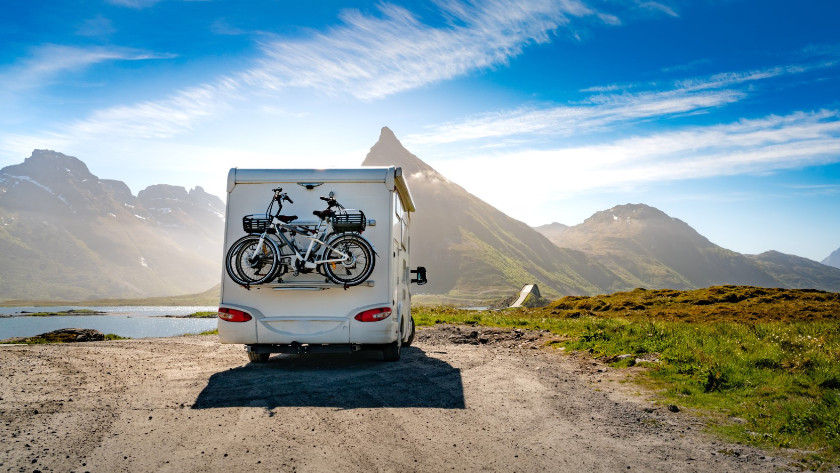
336 249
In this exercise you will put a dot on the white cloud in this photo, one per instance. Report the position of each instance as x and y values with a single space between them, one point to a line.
610 106
659 7
749 146
138 4
367 57
601 112
373 57
157 119
49 61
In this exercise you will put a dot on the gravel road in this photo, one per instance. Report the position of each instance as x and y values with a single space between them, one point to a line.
457 401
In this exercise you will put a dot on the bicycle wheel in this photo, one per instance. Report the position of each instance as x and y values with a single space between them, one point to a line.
256 262
359 264
230 261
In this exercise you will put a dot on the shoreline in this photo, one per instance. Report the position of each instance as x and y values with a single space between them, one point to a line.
89 313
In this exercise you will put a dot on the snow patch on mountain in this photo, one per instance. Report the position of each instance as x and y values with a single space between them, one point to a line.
33 181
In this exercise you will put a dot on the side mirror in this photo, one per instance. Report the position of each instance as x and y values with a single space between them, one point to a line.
421 275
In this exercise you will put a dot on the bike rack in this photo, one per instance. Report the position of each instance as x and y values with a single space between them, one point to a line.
308 286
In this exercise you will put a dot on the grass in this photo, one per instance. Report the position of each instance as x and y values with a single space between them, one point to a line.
214 331
113 336
203 315
763 364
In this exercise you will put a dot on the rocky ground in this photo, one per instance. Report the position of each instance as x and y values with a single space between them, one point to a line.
461 399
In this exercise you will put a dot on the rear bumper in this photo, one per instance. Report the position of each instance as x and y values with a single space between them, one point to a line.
307 330
306 349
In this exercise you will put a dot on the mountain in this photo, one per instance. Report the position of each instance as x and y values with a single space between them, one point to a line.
647 248
65 234
473 251
833 259
797 272
553 230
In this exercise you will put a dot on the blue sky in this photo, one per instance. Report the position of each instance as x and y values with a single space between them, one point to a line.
724 114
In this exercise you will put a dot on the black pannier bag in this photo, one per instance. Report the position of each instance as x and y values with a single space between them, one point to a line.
349 220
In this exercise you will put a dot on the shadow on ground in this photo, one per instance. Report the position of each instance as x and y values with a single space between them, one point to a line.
348 381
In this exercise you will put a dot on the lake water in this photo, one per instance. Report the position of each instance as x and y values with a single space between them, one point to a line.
125 321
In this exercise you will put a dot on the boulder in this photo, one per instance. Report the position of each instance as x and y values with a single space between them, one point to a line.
68 335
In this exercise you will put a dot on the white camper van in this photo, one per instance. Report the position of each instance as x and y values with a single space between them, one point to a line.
335 279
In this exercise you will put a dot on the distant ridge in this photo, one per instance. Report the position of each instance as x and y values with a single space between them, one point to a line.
65 234
648 248
552 230
798 272
833 259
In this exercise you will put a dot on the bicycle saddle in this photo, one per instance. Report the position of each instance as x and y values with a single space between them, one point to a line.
287 218
322 214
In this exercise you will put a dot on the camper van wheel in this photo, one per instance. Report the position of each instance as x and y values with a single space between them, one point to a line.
408 341
258 357
391 352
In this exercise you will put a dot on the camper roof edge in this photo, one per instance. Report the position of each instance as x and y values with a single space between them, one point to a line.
402 190
361 174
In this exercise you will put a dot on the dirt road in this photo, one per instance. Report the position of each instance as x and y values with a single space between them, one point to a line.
191 404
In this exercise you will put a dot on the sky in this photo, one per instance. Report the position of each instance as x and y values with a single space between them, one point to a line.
724 114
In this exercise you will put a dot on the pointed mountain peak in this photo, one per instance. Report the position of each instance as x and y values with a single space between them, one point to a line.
388 151
386 134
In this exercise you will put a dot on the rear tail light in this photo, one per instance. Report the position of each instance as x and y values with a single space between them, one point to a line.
373 315
233 315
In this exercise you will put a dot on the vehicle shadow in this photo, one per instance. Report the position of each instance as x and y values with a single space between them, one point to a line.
347 381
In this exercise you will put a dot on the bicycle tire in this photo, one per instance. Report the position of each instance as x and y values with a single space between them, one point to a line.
248 265
230 267
360 266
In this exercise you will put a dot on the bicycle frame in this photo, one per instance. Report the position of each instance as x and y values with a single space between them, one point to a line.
314 242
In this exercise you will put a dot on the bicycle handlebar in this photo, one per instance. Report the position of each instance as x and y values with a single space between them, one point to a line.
331 202
279 196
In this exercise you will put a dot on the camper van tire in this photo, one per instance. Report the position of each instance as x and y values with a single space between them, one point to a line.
408 341
391 351
258 357
361 263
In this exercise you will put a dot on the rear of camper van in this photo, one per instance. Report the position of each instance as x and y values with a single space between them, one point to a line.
306 312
